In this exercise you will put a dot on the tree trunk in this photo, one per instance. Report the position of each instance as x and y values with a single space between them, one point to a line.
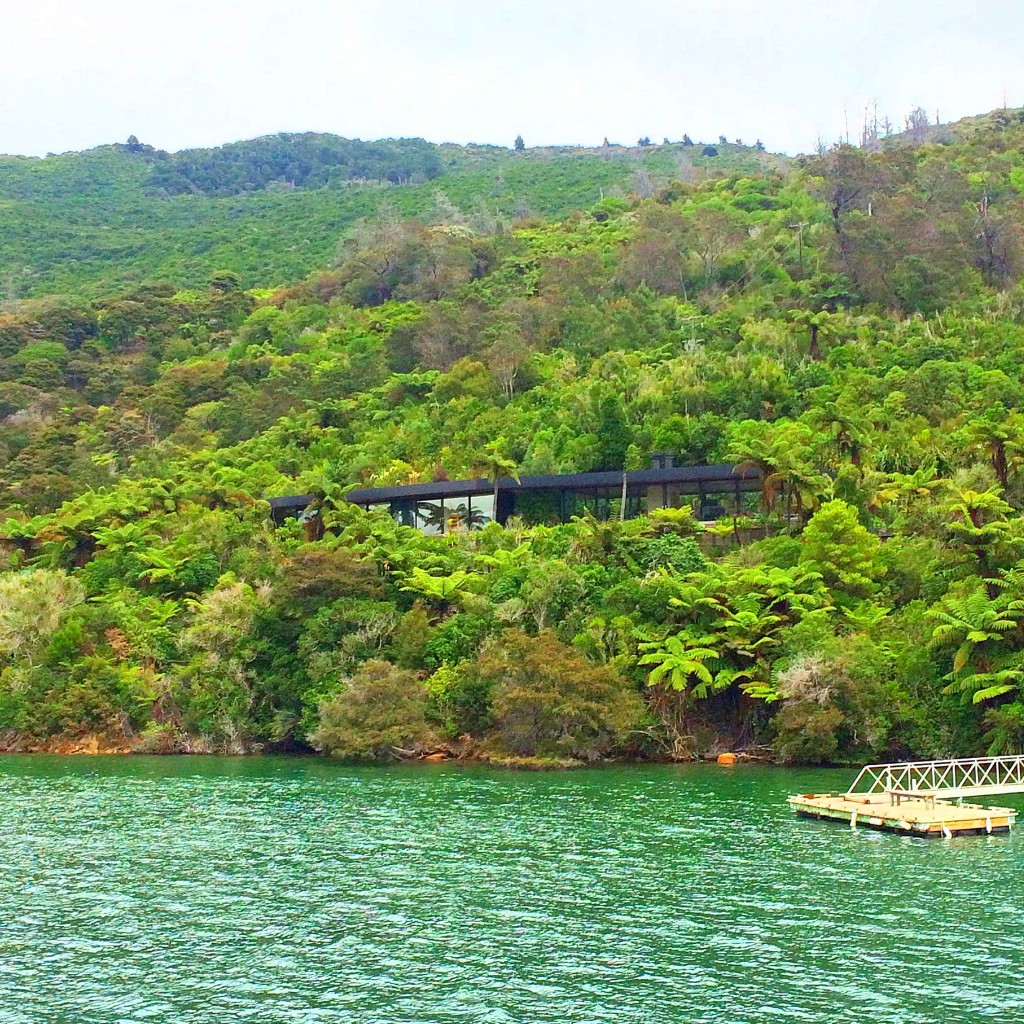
999 464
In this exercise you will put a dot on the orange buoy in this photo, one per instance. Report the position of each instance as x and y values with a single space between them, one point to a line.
726 758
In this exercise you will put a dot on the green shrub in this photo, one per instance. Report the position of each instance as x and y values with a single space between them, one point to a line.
379 715
459 700
457 639
1005 727
548 700
807 733
97 696
841 549
681 553
839 703
315 576
344 633
411 636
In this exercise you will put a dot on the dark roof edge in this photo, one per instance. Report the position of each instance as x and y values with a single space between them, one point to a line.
291 501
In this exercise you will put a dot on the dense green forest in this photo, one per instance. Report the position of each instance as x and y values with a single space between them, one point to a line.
275 209
192 335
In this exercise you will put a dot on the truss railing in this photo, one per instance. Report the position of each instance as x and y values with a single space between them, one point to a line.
957 777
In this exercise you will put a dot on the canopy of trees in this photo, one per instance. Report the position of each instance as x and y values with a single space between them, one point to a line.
853 327
296 161
273 209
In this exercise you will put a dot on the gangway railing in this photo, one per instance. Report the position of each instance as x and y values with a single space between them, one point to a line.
947 780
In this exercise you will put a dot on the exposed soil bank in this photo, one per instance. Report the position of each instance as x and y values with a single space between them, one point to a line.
89 744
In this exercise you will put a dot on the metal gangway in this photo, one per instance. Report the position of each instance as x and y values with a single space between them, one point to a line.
944 780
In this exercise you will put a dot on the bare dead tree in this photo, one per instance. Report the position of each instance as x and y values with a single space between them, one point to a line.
917 124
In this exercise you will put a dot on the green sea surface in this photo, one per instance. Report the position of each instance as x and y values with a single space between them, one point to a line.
220 890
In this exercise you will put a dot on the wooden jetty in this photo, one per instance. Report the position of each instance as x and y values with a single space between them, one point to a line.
923 798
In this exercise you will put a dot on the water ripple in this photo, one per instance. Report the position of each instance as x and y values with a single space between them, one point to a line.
170 891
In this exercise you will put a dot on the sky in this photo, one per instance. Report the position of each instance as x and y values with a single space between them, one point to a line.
184 73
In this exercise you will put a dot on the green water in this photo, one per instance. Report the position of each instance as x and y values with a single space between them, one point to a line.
209 890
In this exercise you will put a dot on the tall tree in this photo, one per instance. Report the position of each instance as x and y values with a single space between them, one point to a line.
996 434
495 465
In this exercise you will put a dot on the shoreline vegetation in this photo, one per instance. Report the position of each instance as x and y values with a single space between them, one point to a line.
850 326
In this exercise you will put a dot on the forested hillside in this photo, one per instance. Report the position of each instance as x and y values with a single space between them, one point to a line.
852 325
275 209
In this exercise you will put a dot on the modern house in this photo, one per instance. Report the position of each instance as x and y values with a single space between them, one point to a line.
712 491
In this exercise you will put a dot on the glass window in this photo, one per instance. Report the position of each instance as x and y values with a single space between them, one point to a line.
430 517
483 510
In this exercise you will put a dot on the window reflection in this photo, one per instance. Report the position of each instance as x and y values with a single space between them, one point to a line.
446 515
465 513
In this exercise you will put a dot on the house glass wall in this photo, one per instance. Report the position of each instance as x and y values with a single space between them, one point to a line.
463 513
446 515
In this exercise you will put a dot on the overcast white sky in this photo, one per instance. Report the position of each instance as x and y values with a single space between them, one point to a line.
179 73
